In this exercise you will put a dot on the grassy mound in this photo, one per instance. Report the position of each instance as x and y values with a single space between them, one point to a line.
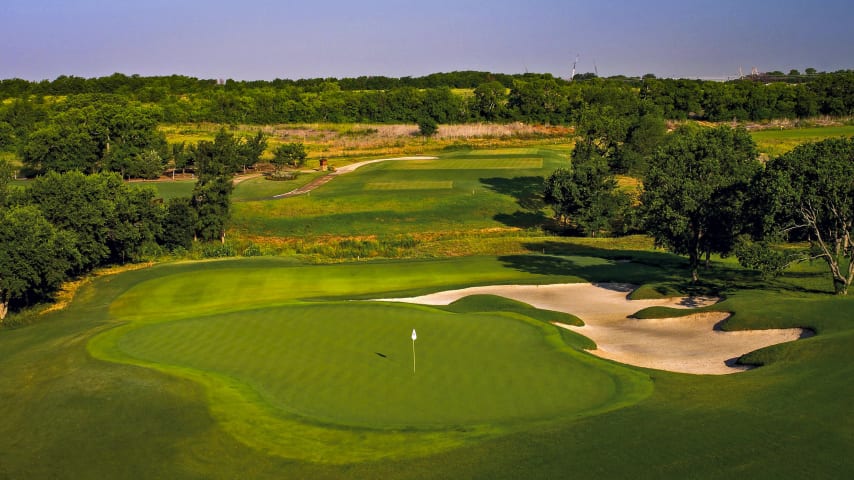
341 373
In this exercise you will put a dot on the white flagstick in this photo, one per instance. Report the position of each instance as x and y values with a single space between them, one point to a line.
414 336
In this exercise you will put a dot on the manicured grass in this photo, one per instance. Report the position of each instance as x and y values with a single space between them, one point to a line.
412 185
484 193
207 403
169 189
301 358
285 364
259 188
777 142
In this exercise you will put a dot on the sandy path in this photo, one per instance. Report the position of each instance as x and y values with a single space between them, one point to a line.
341 171
691 344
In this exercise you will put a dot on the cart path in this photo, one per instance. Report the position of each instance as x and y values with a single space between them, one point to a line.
318 182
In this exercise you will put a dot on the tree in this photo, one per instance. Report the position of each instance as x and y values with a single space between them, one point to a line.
809 193
427 126
81 204
35 256
250 150
215 163
643 139
292 154
137 223
694 189
584 195
489 100
60 148
6 173
179 224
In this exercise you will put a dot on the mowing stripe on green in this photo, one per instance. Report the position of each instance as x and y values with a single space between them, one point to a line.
411 185
471 164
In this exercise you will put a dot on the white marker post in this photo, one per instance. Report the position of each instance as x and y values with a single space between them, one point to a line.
414 336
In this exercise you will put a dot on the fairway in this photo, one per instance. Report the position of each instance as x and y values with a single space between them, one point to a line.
496 162
413 185
459 191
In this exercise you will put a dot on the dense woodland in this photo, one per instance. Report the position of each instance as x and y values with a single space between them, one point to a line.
705 190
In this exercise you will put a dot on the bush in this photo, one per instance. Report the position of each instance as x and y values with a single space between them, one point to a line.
427 126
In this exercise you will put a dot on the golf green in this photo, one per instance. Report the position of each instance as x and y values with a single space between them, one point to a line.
293 367
352 363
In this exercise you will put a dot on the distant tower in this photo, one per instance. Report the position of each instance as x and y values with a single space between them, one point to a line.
740 73
572 75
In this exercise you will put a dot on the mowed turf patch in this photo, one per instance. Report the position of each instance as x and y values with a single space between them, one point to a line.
473 163
351 364
411 185
332 381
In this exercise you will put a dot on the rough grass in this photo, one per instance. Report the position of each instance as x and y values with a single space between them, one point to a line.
345 143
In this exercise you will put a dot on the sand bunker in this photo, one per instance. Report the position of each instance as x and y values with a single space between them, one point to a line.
691 344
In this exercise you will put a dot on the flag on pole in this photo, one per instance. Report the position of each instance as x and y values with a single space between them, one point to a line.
414 336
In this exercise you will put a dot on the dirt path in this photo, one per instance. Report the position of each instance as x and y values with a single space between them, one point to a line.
318 182
692 344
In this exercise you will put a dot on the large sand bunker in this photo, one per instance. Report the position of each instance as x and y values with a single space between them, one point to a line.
690 344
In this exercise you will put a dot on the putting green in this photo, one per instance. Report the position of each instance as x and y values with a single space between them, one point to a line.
351 364
333 381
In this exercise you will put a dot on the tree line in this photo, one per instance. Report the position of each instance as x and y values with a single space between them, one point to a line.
706 192
63 225
532 98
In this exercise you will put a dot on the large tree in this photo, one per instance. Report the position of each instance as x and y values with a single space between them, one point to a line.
35 256
215 163
584 195
808 194
694 190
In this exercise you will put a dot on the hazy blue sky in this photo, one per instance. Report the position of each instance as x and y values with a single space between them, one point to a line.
266 39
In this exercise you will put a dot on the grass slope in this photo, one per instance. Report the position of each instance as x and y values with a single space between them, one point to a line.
461 191
65 412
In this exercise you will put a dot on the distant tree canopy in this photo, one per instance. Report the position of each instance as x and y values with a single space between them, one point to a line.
533 98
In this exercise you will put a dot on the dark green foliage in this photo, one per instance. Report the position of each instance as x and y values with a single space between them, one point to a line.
101 135
584 195
808 193
215 164
490 100
7 136
695 189
179 224
534 98
427 126
292 154
35 256
6 174
251 149
110 220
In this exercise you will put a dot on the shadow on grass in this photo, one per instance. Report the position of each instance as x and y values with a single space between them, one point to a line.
522 219
663 274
